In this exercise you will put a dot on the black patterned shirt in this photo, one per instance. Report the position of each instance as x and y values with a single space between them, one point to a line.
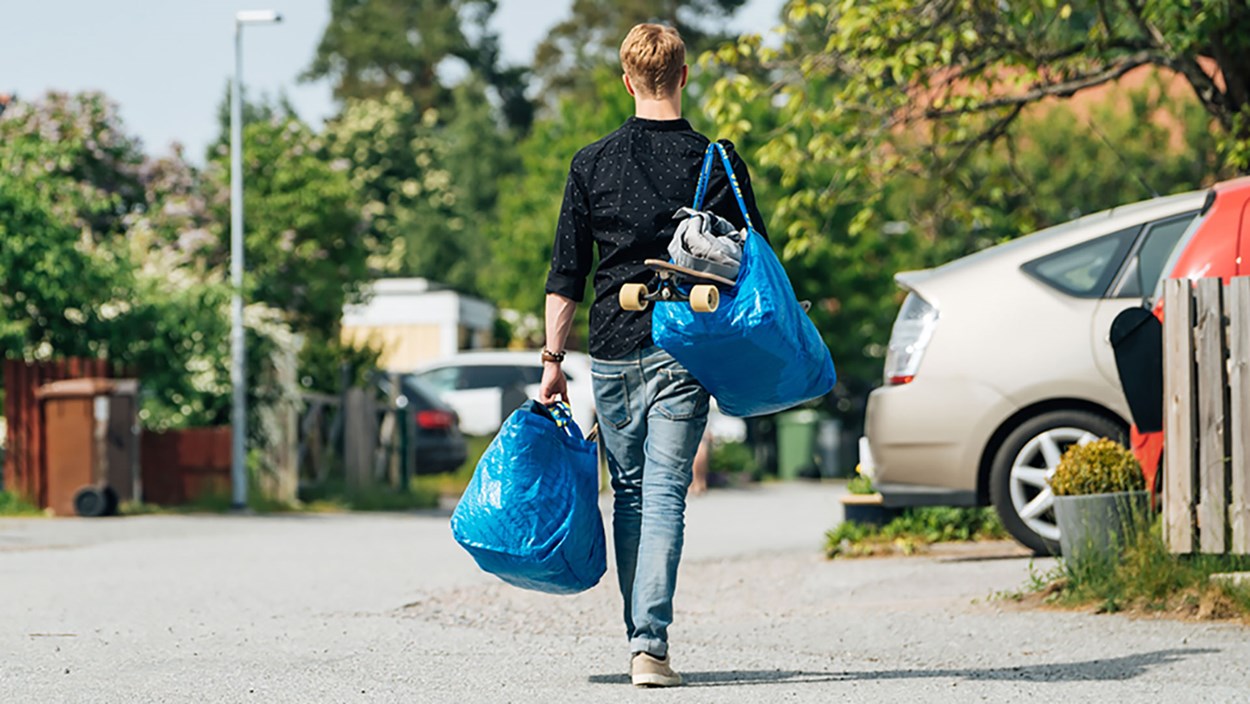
621 194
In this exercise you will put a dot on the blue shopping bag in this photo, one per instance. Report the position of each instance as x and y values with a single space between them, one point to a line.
758 352
530 515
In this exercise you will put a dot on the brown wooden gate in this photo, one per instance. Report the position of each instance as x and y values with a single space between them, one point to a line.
24 459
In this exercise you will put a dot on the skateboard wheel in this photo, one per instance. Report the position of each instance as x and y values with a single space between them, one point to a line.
634 297
704 298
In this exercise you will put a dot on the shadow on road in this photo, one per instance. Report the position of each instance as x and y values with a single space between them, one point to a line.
1107 669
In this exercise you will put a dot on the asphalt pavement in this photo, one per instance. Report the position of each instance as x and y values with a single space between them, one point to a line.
386 608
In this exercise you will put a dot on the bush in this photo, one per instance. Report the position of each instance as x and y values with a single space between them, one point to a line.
912 531
1100 467
733 457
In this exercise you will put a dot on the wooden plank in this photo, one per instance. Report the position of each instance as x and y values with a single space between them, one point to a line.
1211 383
13 424
1178 385
360 438
6 375
38 472
1238 306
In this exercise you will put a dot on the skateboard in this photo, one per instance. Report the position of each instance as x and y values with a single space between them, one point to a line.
704 297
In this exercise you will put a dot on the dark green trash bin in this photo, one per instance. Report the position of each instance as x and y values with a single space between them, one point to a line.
796 443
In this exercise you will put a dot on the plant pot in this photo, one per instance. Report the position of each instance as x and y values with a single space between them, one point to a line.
1099 525
868 509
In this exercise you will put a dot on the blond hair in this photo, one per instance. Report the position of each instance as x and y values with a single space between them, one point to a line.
653 56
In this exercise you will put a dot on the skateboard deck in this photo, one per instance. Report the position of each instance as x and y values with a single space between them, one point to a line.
663 267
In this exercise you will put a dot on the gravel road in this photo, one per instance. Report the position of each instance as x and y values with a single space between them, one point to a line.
386 608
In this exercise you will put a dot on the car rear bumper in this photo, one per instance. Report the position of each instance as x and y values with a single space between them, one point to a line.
931 433
440 454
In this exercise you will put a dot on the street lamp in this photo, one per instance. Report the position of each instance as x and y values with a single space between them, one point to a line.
238 362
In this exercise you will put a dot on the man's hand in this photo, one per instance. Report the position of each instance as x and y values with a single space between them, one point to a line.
554 387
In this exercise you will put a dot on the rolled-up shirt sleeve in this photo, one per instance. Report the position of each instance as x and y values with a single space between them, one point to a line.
571 257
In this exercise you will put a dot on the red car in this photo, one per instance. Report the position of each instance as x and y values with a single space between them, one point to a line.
1217 243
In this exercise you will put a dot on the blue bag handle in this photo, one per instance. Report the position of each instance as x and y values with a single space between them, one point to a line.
563 416
705 175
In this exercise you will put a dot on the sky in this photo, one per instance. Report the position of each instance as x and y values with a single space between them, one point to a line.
166 64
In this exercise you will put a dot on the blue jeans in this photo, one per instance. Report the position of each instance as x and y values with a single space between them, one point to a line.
651 418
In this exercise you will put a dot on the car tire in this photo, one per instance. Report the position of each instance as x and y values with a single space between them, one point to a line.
1026 459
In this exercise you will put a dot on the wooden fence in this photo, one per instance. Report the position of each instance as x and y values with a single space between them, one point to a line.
357 439
1206 388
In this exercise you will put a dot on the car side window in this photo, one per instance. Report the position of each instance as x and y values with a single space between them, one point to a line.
441 380
1153 252
489 376
533 375
1085 270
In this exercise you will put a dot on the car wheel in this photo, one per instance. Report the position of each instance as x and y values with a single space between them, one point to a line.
1023 465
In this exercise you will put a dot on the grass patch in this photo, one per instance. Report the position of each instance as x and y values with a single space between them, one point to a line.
913 531
1145 578
337 499
13 505
331 498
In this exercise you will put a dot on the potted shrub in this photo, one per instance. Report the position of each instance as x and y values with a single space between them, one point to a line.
1100 499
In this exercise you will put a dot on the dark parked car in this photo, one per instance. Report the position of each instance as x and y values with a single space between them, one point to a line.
440 446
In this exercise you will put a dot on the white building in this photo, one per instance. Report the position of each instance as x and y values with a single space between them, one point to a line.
415 321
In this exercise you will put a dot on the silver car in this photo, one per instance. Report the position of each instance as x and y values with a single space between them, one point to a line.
1000 361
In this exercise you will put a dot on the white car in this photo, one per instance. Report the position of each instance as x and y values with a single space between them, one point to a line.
478 384
484 386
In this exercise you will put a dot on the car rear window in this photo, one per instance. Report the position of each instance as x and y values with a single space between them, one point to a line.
1087 269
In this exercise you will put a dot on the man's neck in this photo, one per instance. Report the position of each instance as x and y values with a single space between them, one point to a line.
658 108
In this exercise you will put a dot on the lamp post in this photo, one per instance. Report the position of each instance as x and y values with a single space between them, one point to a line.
238 361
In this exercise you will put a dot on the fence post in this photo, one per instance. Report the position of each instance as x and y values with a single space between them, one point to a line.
1178 388
1238 306
360 436
1212 451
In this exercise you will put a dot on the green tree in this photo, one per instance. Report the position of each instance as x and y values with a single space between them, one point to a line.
904 134
589 39
921 86
103 254
373 47
54 292
71 149
428 186
304 250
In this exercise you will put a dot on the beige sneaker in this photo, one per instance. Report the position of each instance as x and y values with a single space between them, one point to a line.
647 670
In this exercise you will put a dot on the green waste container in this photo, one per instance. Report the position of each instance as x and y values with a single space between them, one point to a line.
796 442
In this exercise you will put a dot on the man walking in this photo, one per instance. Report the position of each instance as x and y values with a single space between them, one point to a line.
621 194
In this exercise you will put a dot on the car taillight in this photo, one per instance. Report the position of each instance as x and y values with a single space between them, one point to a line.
435 420
913 329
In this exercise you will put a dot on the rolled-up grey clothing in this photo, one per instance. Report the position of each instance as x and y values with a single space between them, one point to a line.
707 243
